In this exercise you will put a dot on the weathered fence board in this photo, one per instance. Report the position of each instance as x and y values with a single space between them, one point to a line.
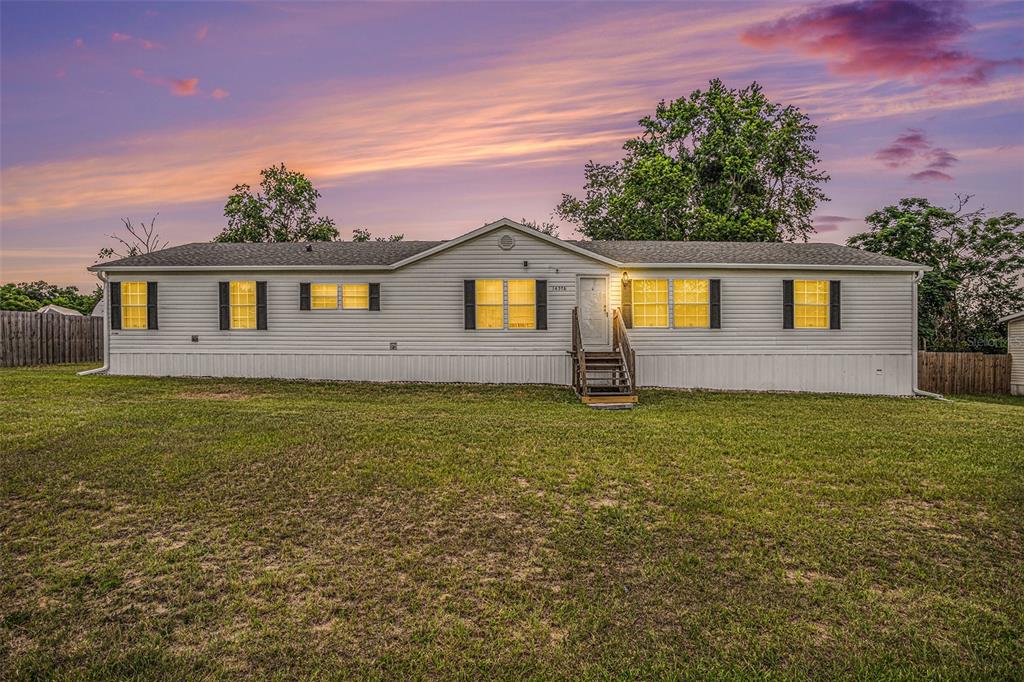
955 373
45 339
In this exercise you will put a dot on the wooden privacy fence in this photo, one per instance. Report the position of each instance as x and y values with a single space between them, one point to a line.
963 372
46 339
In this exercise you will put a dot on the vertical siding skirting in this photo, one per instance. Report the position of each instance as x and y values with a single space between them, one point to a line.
839 373
519 369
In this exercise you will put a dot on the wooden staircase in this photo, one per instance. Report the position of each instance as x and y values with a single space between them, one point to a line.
604 379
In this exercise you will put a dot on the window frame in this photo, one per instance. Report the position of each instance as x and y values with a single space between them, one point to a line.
477 305
232 305
827 305
144 306
634 288
707 302
341 296
312 296
507 314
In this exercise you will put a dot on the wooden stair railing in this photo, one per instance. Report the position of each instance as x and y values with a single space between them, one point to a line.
621 345
579 357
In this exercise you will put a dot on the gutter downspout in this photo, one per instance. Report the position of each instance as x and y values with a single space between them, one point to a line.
106 329
917 391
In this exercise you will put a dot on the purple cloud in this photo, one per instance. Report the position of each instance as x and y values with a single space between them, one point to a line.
931 175
829 223
882 38
914 146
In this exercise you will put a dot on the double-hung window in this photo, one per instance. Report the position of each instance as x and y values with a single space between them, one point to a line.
133 305
810 304
522 304
243 305
323 296
355 296
691 303
650 302
490 306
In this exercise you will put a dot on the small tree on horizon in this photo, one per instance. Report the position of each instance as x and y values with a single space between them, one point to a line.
285 210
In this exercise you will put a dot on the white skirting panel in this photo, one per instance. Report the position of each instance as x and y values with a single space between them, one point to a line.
867 374
497 369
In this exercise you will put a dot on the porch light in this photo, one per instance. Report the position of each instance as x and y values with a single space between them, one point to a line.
625 277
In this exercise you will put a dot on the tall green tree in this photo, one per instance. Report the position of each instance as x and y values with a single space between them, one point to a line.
720 165
977 266
283 211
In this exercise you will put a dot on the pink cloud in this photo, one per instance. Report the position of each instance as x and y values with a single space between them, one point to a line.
180 87
79 42
931 175
142 42
882 38
201 32
185 87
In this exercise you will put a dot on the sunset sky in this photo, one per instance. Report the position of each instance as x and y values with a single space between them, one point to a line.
432 119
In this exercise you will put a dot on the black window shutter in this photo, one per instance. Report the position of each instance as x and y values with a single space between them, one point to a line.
261 305
542 303
304 296
715 286
787 304
115 305
374 296
469 302
151 301
225 305
627 304
834 311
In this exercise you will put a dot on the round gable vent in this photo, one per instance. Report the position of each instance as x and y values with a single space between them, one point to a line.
506 242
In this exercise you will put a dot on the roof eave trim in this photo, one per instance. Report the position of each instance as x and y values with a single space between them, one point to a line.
506 223
209 268
1012 317
778 266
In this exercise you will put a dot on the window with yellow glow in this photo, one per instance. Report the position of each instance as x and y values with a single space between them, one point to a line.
243 305
650 303
522 304
133 306
691 303
810 304
323 296
355 296
489 304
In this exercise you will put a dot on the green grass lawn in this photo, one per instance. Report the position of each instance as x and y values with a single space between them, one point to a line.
176 528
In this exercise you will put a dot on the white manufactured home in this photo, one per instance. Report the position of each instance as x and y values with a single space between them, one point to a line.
507 304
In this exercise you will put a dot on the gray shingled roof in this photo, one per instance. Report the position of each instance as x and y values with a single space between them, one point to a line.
735 253
285 253
341 254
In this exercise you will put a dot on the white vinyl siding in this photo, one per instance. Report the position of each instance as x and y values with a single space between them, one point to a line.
422 309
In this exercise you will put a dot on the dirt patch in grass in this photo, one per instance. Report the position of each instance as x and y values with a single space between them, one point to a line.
214 395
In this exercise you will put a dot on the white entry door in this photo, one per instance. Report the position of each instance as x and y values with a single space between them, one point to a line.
595 321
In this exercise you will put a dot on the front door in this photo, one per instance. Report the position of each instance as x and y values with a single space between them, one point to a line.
595 323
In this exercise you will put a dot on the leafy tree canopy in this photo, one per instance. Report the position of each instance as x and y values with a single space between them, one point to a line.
283 211
360 234
29 296
977 266
720 165
546 227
